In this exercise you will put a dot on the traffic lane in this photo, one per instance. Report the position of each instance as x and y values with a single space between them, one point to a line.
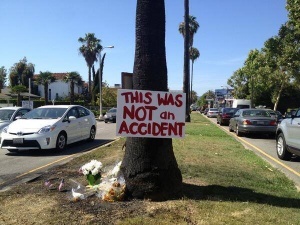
13 165
265 147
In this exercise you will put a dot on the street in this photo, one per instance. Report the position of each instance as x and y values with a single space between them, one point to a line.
26 165
265 147
29 164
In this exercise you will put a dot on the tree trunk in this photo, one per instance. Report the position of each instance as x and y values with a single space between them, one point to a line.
186 68
149 165
278 96
46 93
72 92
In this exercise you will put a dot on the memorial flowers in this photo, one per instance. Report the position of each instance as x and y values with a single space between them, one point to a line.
92 171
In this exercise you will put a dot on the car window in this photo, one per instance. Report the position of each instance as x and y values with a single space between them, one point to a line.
73 112
298 113
45 113
22 112
6 114
83 112
112 110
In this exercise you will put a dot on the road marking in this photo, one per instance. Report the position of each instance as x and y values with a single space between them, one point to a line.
264 153
56 161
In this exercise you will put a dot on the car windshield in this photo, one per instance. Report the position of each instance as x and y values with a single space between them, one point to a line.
6 114
112 110
256 113
213 109
45 113
230 110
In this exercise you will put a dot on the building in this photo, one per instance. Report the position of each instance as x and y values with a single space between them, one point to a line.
59 88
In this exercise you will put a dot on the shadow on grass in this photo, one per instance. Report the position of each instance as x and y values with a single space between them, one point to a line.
236 194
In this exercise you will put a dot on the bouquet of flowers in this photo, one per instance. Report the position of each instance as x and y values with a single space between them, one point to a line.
92 171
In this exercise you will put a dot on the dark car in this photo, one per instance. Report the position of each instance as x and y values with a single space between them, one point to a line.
253 121
205 111
110 115
225 114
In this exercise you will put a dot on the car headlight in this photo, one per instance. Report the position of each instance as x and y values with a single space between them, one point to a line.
4 130
46 129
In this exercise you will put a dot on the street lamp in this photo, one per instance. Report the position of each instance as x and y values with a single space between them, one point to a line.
100 82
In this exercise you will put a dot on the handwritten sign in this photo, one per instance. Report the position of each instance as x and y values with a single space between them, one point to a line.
150 114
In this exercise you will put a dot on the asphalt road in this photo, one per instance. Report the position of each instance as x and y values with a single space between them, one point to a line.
265 147
26 165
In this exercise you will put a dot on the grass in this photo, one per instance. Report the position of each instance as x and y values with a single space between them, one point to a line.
224 183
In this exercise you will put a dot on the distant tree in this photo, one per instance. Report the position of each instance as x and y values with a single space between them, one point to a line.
21 72
18 89
96 79
3 77
90 49
73 77
109 96
194 54
45 78
149 165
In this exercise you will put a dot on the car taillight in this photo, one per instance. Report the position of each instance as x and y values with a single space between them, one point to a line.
247 122
273 123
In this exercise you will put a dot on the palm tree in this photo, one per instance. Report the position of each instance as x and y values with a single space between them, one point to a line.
45 78
90 49
72 77
194 54
187 28
149 165
193 28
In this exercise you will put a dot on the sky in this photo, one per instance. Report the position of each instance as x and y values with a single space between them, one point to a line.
47 32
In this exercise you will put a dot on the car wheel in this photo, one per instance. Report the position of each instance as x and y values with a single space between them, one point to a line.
221 123
92 134
281 148
105 121
61 142
238 133
230 128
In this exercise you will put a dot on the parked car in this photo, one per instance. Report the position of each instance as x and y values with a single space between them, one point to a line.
49 127
287 137
10 114
252 121
205 111
110 115
212 112
225 114
275 114
289 114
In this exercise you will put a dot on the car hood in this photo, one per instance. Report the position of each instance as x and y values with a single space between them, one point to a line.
4 123
30 125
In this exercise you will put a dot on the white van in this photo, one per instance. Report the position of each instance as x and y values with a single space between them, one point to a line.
241 103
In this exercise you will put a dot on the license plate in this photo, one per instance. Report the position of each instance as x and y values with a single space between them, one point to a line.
18 140
260 122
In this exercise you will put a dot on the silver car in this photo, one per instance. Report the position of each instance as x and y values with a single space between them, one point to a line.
212 112
10 114
253 121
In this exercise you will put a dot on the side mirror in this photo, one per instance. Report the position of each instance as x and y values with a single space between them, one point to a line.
72 118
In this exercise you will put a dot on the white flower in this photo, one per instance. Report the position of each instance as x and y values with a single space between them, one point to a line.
92 167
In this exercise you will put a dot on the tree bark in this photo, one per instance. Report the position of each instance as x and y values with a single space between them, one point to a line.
149 165
186 67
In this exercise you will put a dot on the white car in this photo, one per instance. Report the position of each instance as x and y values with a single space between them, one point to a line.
49 127
10 114
287 137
